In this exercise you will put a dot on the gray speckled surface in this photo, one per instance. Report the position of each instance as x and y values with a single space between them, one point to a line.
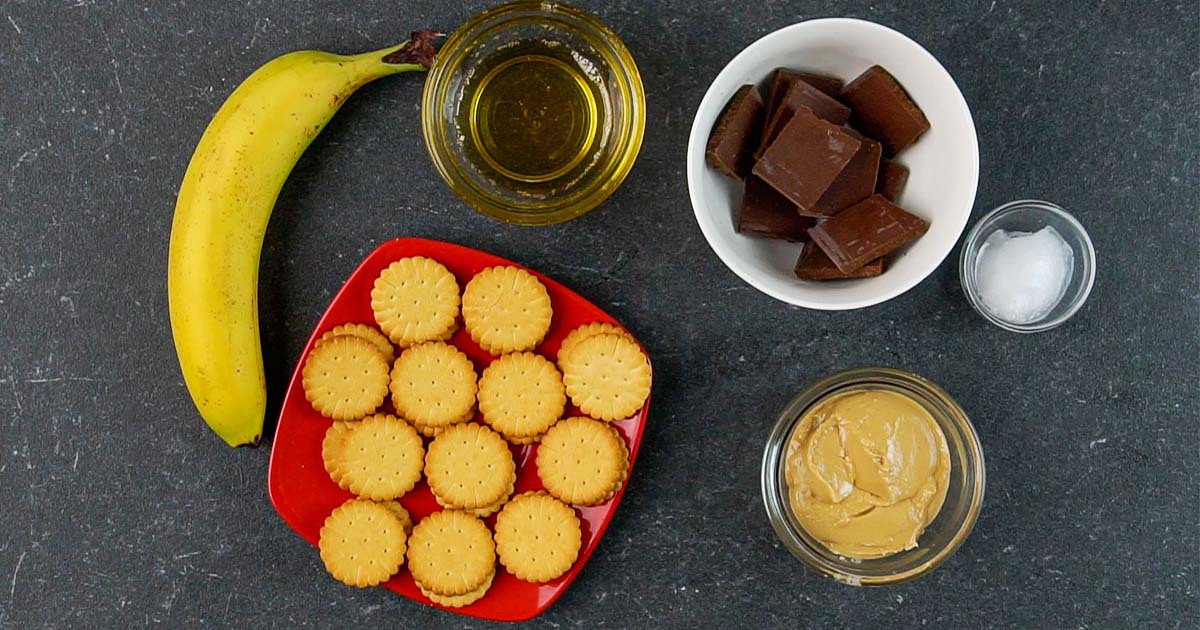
119 509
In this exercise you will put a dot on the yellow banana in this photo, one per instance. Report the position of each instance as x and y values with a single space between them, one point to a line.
221 215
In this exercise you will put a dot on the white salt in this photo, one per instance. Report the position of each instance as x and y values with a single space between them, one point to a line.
1021 276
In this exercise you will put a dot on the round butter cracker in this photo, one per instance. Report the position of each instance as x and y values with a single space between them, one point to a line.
607 376
362 543
521 395
506 309
582 461
469 466
451 553
381 458
415 299
345 378
433 384
537 537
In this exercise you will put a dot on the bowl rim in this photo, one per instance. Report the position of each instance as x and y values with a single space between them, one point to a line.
970 249
698 136
629 135
775 452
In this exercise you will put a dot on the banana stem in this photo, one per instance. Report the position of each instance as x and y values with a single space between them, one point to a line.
417 51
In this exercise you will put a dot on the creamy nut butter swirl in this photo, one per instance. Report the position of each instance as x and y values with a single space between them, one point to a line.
867 471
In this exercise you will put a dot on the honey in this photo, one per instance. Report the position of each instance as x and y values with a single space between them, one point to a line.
531 114
534 112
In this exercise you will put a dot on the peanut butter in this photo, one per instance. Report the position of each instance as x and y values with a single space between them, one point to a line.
867 471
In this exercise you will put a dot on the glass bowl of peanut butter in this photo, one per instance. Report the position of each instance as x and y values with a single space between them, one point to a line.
873 476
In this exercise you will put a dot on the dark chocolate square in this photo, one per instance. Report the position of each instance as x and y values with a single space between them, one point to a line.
767 213
855 183
733 139
805 158
865 231
892 178
800 94
815 265
782 78
884 111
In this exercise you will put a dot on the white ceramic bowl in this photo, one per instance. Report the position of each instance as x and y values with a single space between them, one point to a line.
943 164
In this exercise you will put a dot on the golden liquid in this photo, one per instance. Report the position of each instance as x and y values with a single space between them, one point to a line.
532 114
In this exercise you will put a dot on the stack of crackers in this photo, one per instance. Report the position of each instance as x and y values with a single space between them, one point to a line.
403 400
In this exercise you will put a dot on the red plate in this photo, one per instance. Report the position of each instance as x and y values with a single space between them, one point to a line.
304 495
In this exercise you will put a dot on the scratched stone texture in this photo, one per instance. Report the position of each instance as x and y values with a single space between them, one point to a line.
119 509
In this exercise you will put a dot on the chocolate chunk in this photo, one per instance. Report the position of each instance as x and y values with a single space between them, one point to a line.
782 78
865 231
806 157
855 183
884 111
815 265
892 178
800 94
767 213
731 145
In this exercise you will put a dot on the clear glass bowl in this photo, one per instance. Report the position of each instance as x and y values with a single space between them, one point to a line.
949 528
611 70
1030 216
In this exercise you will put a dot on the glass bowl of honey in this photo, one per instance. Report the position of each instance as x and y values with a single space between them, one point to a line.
533 112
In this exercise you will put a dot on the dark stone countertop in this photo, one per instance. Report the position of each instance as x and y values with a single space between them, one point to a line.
118 507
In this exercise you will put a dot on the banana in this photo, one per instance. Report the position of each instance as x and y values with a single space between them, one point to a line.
221 215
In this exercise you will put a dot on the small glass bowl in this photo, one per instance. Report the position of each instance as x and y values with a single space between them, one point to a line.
941 538
609 65
1030 216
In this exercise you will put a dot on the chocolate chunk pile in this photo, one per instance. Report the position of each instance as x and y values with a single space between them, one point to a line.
815 159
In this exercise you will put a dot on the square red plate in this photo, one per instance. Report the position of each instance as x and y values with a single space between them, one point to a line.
304 495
